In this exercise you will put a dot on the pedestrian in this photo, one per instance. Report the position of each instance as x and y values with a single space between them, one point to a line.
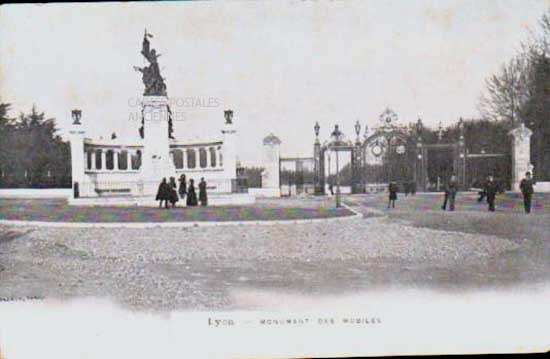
491 190
191 195
450 194
202 192
163 193
173 193
413 188
483 193
526 186
406 187
183 187
392 189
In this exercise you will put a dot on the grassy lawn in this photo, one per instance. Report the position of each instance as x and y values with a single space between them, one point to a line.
56 210
509 221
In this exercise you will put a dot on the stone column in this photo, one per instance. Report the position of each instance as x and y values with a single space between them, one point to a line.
103 159
521 152
93 159
115 159
76 138
229 153
270 175
183 158
208 162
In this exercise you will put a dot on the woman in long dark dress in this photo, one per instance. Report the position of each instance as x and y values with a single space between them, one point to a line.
173 194
202 193
191 195
183 187
163 193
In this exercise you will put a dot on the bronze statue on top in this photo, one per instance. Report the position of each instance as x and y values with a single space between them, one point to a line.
153 81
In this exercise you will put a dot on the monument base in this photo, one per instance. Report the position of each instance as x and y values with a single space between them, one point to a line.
156 162
265 192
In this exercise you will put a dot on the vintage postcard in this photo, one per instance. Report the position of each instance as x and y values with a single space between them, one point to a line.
274 179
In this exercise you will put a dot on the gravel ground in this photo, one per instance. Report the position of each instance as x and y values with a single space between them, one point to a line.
203 267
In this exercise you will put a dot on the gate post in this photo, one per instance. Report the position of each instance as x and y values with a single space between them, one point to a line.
318 163
356 185
419 160
321 172
461 165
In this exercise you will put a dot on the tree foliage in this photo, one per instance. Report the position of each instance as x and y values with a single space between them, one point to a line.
520 92
31 152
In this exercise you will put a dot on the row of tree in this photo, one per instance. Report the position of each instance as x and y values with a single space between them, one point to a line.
32 154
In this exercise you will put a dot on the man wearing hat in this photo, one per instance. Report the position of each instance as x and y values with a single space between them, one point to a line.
526 186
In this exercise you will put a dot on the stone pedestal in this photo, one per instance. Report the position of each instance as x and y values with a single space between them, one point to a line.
521 151
76 138
156 161
229 157
270 174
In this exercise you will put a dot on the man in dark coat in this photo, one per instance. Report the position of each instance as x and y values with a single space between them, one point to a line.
491 189
526 186
191 195
163 193
202 192
450 194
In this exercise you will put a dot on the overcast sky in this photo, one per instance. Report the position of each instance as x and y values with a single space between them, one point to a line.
280 65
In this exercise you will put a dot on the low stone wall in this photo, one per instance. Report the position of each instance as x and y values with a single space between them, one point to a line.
36 192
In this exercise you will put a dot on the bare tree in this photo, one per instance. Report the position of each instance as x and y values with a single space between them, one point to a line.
508 91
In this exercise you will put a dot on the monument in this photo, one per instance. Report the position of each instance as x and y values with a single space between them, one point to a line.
127 171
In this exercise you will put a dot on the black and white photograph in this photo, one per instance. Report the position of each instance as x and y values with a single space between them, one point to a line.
274 179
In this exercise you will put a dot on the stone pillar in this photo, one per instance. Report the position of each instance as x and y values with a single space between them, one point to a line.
229 152
270 175
521 151
183 157
92 151
76 138
103 159
207 151
156 162
115 159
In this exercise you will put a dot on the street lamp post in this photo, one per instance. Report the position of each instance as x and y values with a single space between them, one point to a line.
356 157
337 136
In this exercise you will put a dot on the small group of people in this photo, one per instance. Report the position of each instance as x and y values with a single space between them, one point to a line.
167 192
489 192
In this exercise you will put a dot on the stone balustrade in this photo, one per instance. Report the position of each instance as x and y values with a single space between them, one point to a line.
111 159
100 157
200 157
